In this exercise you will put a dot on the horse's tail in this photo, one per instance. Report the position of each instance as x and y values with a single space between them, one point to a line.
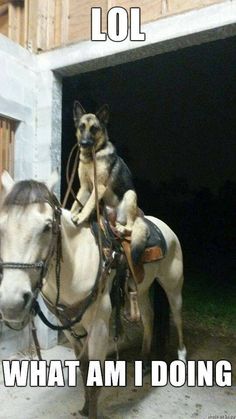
139 236
161 323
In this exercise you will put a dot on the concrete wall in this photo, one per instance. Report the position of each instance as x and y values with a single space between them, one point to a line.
30 97
27 96
17 101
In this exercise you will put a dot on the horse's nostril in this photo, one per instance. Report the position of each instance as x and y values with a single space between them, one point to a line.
26 298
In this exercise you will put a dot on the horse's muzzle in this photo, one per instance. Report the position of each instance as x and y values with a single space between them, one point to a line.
16 311
17 325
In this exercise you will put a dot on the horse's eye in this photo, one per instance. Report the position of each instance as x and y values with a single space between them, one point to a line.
47 228
82 127
94 129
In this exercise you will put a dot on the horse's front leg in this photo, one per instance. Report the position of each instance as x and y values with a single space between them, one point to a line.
91 394
97 347
84 363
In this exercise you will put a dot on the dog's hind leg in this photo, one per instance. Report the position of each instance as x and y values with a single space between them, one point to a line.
127 212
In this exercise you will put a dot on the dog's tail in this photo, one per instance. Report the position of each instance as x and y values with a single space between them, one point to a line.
139 237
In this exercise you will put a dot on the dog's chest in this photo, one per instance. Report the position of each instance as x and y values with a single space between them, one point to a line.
86 173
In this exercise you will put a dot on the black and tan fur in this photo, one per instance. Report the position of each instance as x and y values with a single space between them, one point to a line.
114 180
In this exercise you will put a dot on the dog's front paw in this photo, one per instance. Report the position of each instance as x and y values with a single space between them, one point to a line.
76 219
122 229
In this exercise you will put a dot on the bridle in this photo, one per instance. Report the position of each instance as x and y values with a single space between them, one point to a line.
54 248
42 266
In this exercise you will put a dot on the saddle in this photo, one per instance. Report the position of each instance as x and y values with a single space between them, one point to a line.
133 274
111 240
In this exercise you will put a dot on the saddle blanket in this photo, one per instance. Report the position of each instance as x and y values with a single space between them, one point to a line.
155 248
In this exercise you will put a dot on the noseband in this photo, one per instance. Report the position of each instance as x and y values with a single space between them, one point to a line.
55 245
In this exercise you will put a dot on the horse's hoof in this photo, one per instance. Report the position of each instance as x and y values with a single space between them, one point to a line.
146 367
84 411
182 354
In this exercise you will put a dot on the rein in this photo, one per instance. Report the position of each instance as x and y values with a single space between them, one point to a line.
70 178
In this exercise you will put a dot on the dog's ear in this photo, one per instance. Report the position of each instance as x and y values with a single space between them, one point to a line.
78 111
103 114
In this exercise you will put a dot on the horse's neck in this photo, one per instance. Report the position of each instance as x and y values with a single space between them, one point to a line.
79 262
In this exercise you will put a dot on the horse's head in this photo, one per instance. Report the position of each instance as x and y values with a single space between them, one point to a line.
28 220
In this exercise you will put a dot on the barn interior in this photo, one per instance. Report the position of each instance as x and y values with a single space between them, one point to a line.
173 121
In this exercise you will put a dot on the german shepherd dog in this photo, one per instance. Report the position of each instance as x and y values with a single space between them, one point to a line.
114 180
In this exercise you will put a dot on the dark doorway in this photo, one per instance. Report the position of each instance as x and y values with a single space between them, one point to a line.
173 120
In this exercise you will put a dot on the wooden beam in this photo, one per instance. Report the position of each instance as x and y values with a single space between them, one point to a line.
58 23
150 9
32 25
3 9
4 20
80 18
7 132
15 21
65 10
165 7
51 24
26 24
178 6
42 25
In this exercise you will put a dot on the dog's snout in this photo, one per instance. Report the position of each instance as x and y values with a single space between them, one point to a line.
86 142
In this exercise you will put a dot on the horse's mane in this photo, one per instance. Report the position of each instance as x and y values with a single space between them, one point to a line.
28 192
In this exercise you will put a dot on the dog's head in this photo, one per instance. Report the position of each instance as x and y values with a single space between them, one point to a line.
91 128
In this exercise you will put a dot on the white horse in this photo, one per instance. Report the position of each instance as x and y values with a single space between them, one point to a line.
27 230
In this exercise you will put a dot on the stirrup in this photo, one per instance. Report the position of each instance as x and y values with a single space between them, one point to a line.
134 314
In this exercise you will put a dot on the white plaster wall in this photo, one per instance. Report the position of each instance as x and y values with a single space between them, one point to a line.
17 101
47 141
33 98
26 95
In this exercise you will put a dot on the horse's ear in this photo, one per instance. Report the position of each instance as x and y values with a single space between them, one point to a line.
52 181
7 182
78 112
103 114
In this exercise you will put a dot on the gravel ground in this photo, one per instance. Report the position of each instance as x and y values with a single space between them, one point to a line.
118 403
